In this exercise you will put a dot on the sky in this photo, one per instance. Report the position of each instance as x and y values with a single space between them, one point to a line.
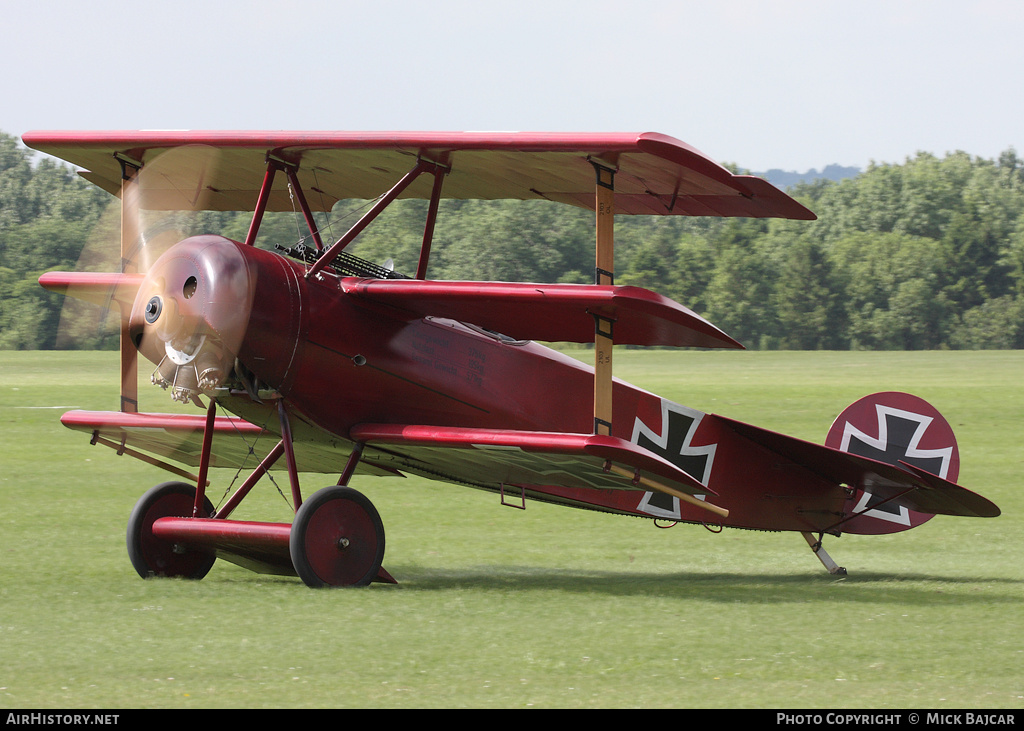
787 84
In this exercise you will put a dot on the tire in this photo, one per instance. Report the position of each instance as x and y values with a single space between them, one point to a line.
152 556
337 539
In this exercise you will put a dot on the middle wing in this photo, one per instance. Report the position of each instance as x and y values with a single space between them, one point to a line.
550 312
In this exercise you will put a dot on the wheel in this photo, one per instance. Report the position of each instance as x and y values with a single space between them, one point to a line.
337 539
152 556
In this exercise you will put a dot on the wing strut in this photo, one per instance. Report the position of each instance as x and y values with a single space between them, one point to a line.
422 166
604 274
130 208
428 228
289 453
261 202
292 172
204 459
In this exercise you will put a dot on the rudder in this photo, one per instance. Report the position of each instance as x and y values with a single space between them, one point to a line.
894 427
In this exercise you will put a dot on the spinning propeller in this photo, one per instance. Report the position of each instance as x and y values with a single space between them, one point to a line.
183 300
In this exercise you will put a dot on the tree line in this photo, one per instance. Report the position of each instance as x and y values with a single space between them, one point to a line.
924 254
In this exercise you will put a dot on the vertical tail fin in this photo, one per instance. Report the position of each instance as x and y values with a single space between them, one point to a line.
894 427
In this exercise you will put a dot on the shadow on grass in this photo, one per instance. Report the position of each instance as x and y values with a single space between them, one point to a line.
905 588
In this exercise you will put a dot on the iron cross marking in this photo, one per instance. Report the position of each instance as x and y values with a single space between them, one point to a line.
675 445
678 425
899 433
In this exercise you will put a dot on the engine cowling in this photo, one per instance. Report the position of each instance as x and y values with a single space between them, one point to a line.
210 306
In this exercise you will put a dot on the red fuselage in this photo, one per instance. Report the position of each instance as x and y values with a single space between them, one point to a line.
340 360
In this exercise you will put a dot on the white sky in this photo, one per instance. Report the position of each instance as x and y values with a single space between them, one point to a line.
791 84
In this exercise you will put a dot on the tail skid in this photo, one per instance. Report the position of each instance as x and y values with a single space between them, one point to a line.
826 560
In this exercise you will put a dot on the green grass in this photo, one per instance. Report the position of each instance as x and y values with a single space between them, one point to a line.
546 607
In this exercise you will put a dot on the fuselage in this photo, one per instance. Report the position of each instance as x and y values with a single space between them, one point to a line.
340 360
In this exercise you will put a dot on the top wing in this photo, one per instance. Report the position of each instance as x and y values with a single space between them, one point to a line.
655 174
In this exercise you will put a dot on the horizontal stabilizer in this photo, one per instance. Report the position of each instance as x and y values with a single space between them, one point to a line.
106 289
902 484
549 312
943 493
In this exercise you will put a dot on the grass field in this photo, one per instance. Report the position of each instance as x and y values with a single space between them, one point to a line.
542 608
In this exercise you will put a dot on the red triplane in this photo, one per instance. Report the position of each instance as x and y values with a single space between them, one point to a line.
345 368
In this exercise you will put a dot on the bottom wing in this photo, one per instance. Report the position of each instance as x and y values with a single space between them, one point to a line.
554 463
493 458
237 443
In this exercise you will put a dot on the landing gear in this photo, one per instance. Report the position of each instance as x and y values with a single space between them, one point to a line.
154 556
337 539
